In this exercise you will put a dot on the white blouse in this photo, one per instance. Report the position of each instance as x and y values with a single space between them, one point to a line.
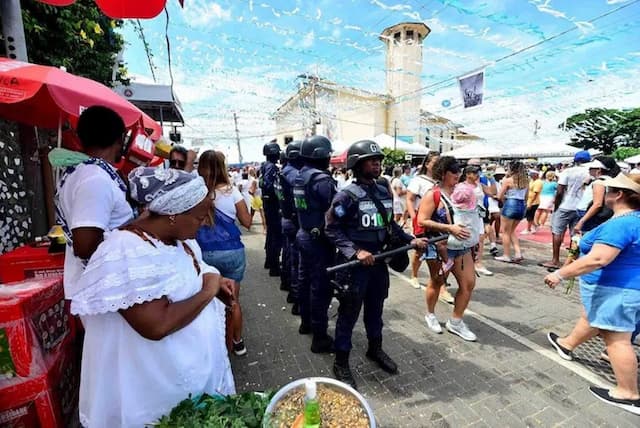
127 380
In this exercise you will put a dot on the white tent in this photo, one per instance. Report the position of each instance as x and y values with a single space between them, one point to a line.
633 159
518 149
387 141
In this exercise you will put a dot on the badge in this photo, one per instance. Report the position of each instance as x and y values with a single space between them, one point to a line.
339 210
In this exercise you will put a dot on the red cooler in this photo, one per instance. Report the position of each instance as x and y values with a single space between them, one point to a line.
30 262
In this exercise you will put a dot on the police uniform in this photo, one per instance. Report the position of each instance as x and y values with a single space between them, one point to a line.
268 175
313 192
284 192
355 222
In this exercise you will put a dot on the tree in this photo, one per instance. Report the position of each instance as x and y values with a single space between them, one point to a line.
393 157
605 129
622 153
78 37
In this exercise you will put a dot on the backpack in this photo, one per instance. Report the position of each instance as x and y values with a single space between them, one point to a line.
418 230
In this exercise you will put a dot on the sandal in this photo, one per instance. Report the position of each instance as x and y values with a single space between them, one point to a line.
505 259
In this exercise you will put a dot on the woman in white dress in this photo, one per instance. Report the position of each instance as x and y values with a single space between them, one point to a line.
154 329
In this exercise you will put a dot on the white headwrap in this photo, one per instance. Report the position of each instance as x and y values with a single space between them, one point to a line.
166 191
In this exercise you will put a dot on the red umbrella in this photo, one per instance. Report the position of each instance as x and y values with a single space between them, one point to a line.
45 96
339 159
122 8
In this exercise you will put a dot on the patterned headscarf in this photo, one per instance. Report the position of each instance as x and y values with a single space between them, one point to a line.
166 191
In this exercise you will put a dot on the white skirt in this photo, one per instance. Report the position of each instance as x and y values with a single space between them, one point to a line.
546 202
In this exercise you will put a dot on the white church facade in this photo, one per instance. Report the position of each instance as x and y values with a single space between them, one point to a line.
346 114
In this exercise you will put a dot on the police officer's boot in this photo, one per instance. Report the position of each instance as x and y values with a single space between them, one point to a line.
322 344
376 354
275 270
295 309
304 328
341 369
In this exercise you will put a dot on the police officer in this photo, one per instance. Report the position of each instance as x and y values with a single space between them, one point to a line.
268 174
360 223
284 191
313 191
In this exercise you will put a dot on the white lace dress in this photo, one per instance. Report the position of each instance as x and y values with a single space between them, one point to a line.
130 381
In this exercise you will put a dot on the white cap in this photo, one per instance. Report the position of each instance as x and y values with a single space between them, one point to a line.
310 389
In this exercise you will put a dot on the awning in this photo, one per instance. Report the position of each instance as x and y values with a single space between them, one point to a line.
158 101
387 141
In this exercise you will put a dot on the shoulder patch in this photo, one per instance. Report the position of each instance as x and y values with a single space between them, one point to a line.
340 211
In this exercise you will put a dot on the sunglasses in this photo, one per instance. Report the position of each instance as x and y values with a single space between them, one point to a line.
177 163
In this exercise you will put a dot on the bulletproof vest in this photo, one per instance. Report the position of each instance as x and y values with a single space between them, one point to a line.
310 208
368 224
284 192
266 191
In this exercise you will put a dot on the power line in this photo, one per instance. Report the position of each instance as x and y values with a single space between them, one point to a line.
137 26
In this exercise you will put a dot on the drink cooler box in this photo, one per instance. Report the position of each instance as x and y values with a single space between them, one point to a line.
39 358
30 262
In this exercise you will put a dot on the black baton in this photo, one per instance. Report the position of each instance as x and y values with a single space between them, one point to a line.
384 255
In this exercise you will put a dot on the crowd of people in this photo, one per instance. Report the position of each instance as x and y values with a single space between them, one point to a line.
155 261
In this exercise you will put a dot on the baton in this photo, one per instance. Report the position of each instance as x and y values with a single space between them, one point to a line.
384 255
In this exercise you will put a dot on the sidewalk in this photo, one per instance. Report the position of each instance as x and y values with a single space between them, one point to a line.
509 378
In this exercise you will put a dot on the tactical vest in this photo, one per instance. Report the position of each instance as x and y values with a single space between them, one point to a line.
310 210
368 225
284 192
266 191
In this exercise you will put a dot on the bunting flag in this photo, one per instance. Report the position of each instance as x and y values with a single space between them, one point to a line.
472 89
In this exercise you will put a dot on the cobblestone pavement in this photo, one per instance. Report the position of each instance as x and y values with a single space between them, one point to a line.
509 378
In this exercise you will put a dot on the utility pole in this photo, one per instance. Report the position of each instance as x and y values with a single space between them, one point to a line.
395 134
13 30
235 120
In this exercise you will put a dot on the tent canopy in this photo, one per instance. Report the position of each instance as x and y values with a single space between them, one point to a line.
633 159
534 148
386 141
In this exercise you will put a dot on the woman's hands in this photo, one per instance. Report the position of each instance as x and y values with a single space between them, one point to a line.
226 293
211 284
553 279
460 232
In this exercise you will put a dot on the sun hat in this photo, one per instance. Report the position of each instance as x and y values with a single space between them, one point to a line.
582 156
622 181
500 171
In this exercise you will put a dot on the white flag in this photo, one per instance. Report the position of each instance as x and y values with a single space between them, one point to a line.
472 89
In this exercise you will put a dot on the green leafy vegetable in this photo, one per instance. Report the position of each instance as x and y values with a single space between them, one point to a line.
235 411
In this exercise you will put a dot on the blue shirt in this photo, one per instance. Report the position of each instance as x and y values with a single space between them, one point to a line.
549 188
622 233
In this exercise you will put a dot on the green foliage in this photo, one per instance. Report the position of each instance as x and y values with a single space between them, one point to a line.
393 157
235 411
605 129
622 153
78 37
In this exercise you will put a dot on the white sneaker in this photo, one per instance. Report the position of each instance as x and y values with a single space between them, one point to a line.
461 330
483 270
433 323
526 232
415 283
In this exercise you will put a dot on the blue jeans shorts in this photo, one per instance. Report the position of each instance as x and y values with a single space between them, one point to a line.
514 209
611 308
230 263
454 254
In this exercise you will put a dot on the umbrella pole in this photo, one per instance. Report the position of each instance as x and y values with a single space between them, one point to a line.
47 180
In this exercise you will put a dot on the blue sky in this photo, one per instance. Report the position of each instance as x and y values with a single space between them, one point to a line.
245 55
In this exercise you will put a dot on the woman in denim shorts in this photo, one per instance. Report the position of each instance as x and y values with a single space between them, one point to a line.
514 196
219 238
609 271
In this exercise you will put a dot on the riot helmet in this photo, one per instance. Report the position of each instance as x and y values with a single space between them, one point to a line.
316 147
292 151
270 149
361 150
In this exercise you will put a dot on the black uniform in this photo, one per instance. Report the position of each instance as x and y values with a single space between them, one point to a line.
268 175
361 218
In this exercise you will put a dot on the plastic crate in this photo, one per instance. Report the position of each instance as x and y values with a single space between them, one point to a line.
35 324
49 400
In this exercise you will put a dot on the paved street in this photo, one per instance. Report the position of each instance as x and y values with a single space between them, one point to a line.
509 378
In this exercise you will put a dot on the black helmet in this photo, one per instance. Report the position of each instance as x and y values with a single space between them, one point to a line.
271 149
292 151
362 150
316 147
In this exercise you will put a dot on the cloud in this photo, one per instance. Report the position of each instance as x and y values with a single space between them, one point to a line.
308 39
396 7
200 13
